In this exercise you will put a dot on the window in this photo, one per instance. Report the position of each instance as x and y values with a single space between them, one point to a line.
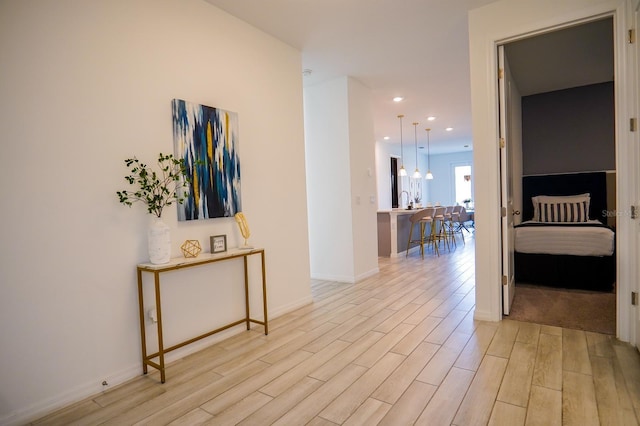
462 179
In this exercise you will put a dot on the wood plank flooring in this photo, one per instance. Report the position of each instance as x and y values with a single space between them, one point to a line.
398 348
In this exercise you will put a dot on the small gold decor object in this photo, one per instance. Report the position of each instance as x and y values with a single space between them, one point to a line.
191 248
244 230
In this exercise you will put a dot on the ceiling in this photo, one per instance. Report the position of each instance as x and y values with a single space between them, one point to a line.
417 49
572 57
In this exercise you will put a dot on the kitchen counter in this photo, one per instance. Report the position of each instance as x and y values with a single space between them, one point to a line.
393 231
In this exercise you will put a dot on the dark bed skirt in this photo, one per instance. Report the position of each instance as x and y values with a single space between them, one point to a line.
563 271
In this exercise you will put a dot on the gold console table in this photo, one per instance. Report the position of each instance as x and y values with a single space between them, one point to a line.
181 263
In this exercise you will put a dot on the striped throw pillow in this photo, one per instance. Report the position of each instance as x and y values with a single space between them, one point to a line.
557 199
564 212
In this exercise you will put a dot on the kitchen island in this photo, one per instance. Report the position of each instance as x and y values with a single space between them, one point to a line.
393 231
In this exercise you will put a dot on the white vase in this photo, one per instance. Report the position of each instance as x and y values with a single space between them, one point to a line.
159 240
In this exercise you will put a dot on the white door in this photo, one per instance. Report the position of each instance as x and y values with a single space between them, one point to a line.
506 187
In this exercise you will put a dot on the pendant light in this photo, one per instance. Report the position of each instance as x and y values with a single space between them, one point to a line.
402 171
416 174
429 175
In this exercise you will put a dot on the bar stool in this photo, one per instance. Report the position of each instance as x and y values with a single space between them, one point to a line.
439 231
427 224
448 221
456 224
423 218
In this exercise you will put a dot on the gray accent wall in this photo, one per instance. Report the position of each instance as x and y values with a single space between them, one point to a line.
569 130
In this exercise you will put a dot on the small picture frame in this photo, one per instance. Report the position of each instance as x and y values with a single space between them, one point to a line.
218 243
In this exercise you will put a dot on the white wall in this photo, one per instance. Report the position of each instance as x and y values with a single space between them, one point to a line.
442 188
489 25
340 166
83 86
383 152
326 109
364 201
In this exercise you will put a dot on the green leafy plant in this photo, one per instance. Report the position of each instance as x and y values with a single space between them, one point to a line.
156 190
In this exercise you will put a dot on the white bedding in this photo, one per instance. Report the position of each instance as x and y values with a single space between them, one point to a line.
576 240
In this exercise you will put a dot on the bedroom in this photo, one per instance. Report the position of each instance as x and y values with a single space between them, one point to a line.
564 145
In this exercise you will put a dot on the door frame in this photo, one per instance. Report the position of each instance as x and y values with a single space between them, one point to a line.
634 65
499 23
621 291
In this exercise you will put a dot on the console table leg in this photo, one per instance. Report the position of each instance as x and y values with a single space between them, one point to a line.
142 332
264 296
159 314
246 294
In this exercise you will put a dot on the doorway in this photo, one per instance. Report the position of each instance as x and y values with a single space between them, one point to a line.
550 131
395 199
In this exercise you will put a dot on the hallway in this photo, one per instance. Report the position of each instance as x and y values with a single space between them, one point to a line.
398 348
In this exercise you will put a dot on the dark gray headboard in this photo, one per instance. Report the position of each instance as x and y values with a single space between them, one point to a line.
595 183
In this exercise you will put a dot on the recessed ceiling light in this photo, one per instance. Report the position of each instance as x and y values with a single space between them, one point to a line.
398 99
386 138
431 118
448 129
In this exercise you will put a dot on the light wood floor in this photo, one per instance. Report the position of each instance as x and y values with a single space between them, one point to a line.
399 348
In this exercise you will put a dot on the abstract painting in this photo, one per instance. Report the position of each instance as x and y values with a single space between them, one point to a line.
207 139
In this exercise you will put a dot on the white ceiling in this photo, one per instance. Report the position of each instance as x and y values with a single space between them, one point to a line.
417 49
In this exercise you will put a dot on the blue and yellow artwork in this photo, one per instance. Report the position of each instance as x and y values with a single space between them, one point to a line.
207 139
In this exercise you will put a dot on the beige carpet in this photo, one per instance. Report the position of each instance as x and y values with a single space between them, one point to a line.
576 309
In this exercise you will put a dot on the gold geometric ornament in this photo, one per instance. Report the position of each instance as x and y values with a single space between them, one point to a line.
191 248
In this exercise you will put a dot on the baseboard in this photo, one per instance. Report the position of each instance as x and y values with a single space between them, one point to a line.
479 315
290 307
344 278
367 274
336 278
79 393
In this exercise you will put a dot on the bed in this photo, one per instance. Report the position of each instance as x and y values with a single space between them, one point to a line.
564 240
